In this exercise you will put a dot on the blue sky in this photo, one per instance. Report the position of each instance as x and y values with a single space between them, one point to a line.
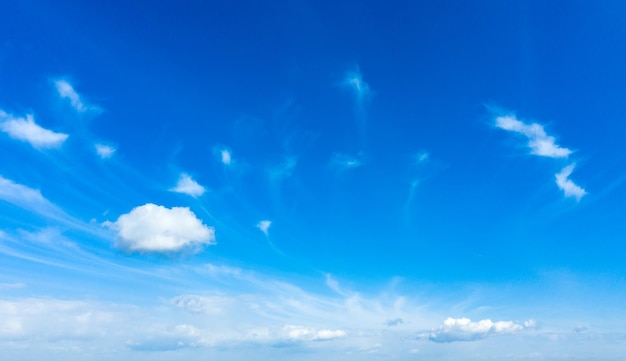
303 180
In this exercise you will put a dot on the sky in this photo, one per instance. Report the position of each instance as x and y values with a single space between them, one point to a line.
306 180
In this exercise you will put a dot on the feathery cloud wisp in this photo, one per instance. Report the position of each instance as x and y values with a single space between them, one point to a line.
463 329
104 151
154 228
25 129
188 186
66 90
354 80
539 141
264 226
345 162
568 187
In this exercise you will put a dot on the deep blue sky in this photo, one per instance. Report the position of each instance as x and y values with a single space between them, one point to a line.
265 174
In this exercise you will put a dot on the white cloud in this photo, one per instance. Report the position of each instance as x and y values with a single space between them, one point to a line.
323 335
354 80
66 90
25 129
264 226
344 161
299 333
154 228
570 188
105 151
539 141
463 329
188 186
226 156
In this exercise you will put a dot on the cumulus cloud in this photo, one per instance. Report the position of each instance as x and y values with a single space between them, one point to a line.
226 156
66 90
104 151
299 333
154 228
568 187
264 226
188 186
25 129
539 141
345 161
463 329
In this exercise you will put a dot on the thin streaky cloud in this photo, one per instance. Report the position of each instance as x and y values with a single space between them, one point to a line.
105 151
188 186
539 142
353 79
344 161
569 188
25 129
66 91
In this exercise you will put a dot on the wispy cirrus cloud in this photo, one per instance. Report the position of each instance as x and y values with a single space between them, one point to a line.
25 129
343 161
156 229
539 141
188 186
464 329
264 226
353 79
569 188
66 91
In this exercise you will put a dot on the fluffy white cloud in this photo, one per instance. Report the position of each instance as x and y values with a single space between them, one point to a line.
264 226
463 329
568 187
154 228
104 151
226 156
188 186
66 90
299 333
539 141
25 129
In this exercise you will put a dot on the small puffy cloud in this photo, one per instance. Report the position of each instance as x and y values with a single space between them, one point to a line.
568 187
539 141
264 226
188 186
299 333
66 91
345 162
154 228
226 156
463 329
104 151
422 157
25 129
323 335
